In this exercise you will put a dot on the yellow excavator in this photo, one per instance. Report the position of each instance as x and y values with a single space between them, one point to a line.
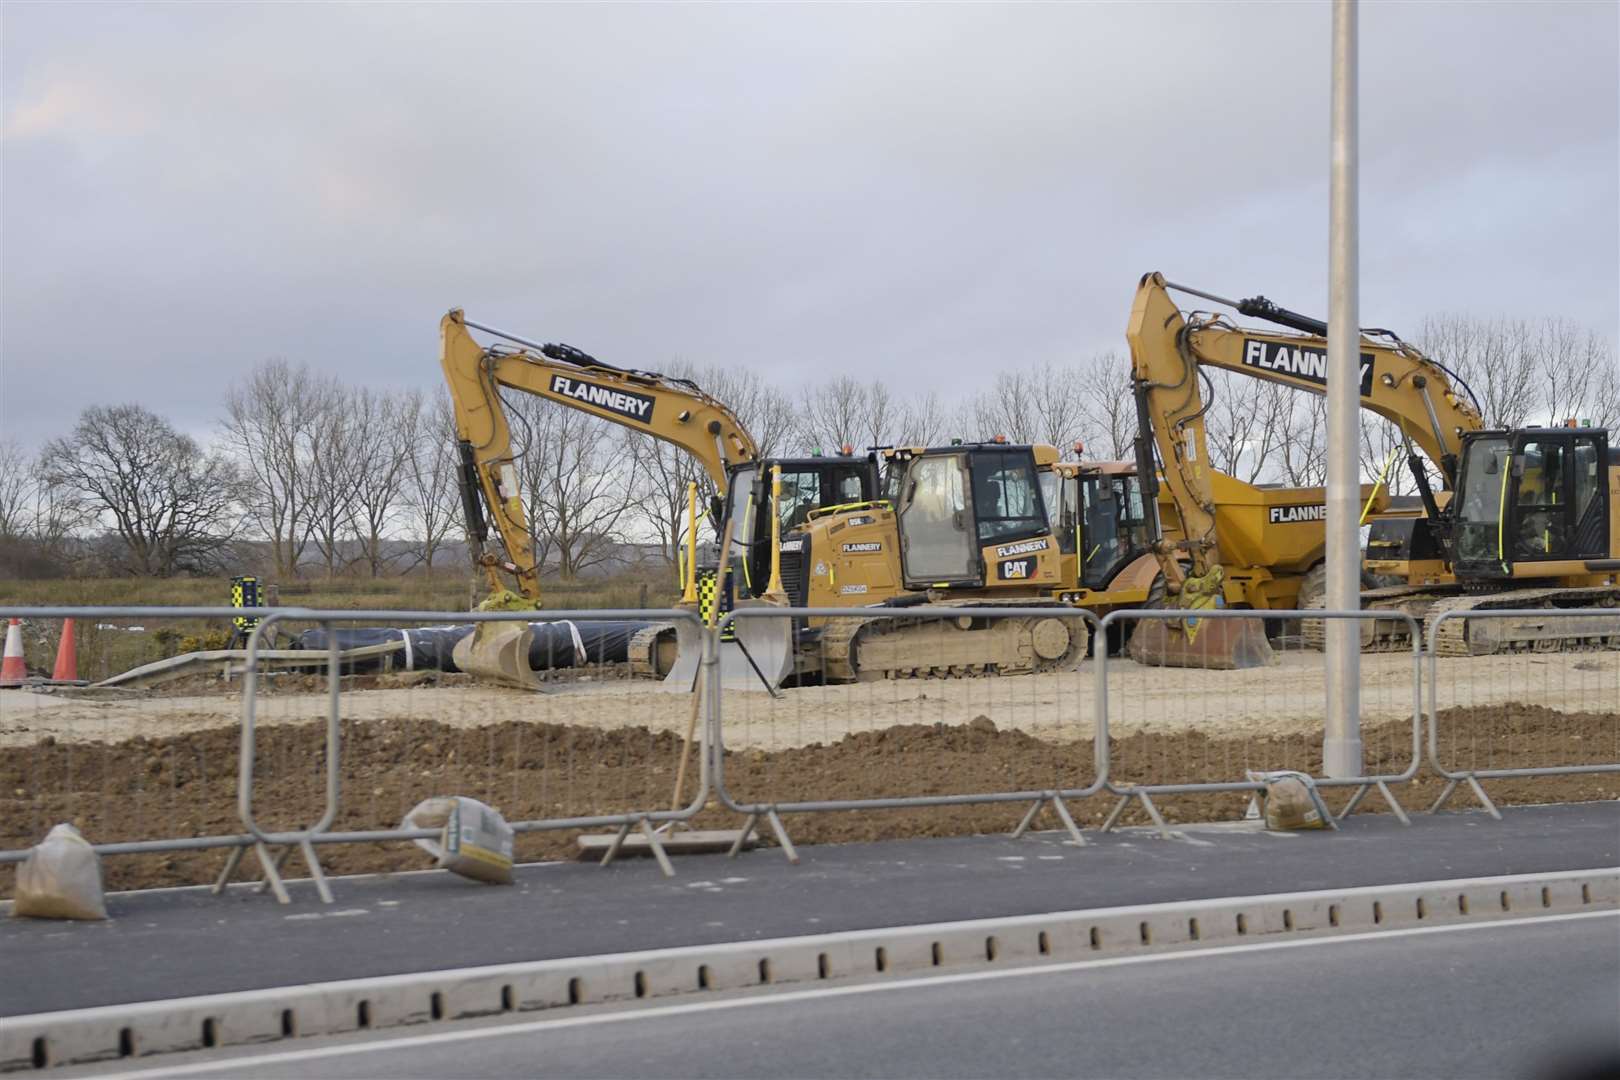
1526 518
673 410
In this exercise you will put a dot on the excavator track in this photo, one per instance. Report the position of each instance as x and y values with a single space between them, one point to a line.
1382 635
1482 637
1539 633
901 647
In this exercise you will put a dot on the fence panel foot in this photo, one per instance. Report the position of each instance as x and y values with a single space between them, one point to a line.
1355 800
1060 808
316 874
782 836
1113 815
1395 806
271 864
1479 793
742 837
657 847
232 861
618 841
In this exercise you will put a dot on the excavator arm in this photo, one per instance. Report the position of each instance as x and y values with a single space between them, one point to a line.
1168 347
673 410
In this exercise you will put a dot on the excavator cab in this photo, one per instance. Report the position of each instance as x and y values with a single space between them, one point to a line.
1533 503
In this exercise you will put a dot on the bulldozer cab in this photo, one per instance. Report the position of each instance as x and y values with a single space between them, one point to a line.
1533 496
963 507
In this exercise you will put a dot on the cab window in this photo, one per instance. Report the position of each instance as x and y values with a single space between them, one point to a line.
801 493
1540 500
1006 496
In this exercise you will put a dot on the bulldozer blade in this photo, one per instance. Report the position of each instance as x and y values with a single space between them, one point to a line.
688 658
1214 644
498 652
762 656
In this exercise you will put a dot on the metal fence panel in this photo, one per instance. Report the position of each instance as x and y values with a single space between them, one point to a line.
339 755
1536 711
943 732
1202 731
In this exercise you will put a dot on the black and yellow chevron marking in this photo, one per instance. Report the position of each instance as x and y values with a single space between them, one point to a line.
708 590
245 593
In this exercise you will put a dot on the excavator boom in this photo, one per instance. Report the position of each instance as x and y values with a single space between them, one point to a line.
1170 349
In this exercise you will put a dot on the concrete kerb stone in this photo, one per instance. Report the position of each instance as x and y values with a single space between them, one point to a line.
149 1028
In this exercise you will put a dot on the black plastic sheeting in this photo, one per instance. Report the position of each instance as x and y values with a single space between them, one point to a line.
555 644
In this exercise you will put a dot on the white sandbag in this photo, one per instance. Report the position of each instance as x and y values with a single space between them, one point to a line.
60 879
474 840
1287 801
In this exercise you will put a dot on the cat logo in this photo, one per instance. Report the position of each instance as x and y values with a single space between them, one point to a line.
1015 569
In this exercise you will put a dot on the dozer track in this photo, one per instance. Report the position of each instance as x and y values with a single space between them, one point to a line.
901 647
1482 637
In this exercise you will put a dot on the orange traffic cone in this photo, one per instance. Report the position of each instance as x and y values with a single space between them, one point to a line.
67 655
12 669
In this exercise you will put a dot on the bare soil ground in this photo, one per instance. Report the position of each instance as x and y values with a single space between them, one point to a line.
184 783
1274 701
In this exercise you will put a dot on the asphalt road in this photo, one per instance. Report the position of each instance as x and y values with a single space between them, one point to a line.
182 943
1504 1000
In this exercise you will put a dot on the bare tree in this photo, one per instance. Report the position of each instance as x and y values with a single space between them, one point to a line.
923 421
579 476
1107 409
271 421
383 425
1576 368
1303 455
833 414
1494 358
169 501
433 484
763 410
1044 404
16 489
331 476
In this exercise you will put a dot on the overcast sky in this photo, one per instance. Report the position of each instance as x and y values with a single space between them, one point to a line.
925 193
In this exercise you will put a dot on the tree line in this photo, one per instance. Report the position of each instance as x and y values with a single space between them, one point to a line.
305 475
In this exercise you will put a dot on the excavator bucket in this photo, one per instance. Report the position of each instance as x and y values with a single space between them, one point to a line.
1214 644
498 652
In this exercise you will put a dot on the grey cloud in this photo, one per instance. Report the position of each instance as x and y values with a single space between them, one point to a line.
922 193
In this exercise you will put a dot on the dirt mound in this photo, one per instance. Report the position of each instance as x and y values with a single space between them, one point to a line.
185 785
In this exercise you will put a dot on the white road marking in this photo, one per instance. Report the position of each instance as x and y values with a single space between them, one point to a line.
791 996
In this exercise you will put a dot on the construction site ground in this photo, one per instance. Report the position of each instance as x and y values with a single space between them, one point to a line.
127 765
